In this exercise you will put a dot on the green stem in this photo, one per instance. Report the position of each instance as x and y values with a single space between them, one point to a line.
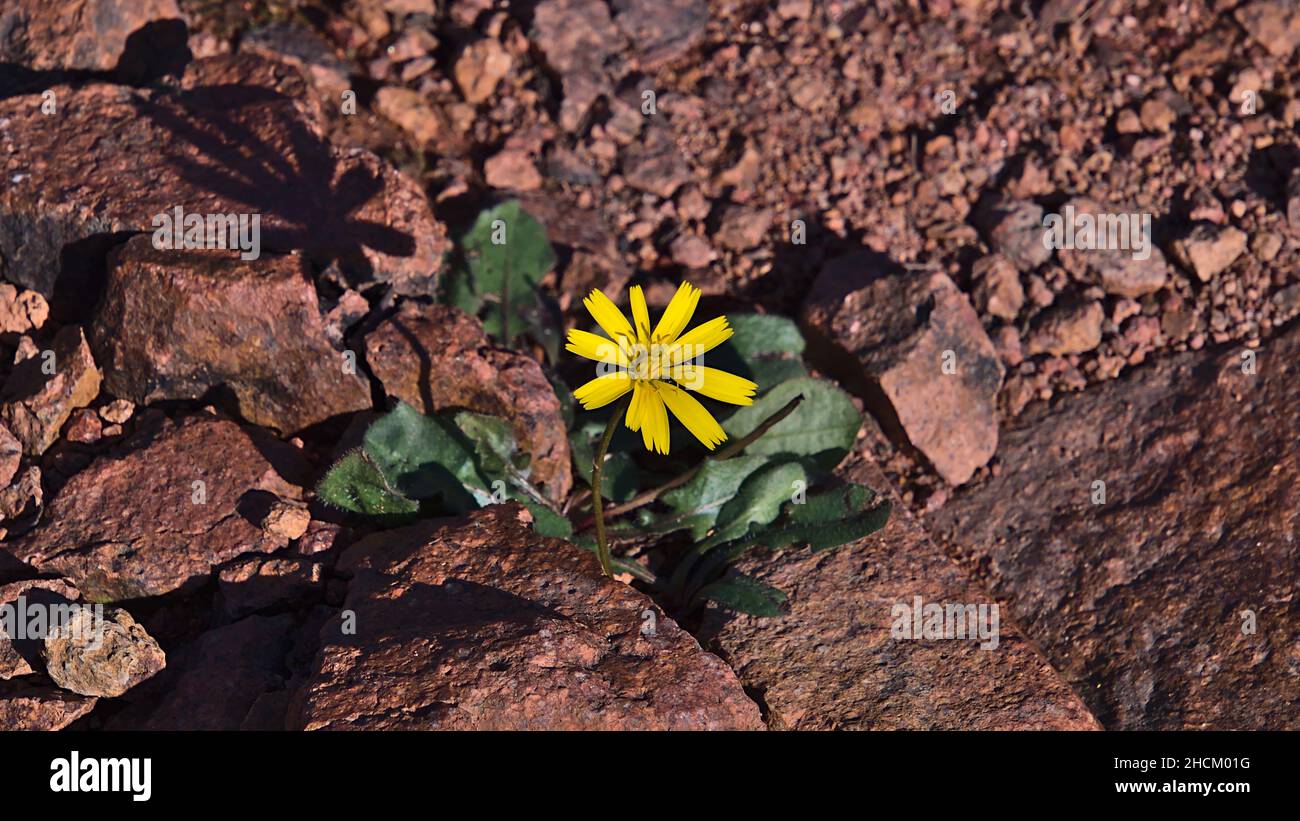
646 497
602 546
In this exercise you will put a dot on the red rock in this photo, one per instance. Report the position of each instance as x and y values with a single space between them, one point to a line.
286 520
833 663
11 456
743 228
1015 230
408 349
512 169
213 682
691 251
22 496
75 34
901 329
660 31
1275 24
21 310
85 427
577 37
655 165
252 327
101 653
1067 330
162 510
427 125
29 706
1207 250
17 653
997 287
138 155
1163 603
257 582
479 623
480 67
35 403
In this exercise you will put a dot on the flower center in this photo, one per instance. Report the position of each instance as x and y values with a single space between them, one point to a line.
647 362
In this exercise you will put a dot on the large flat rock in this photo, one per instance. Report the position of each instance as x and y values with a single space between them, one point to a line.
1172 604
112 158
176 324
159 513
833 662
479 623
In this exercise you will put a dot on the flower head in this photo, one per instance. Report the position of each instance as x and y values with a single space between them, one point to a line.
655 365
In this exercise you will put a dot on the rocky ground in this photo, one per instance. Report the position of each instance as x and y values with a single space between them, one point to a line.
1105 446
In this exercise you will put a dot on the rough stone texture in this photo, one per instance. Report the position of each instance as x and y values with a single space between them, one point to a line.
11 456
655 165
898 327
1067 329
101 657
1208 250
660 31
16 654
257 582
21 310
480 67
35 404
213 682
577 37
832 662
1114 269
1275 24
175 324
997 287
434 357
1015 230
75 34
29 706
139 154
1139 601
130 524
479 623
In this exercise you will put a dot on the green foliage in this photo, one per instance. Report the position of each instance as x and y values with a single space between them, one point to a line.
433 465
747 595
355 484
503 258
776 492
823 428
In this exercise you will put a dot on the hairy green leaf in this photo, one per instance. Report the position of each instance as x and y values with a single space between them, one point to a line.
506 254
758 501
746 595
356 485
424 457
822 428
696 504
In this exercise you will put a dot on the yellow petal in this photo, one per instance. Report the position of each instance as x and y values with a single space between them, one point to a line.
640 314
679 312
603 389
608 316
636 408
692 414
715 384
654 419
595 346
701 338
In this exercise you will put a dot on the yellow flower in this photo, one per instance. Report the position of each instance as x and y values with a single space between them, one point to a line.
656 365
